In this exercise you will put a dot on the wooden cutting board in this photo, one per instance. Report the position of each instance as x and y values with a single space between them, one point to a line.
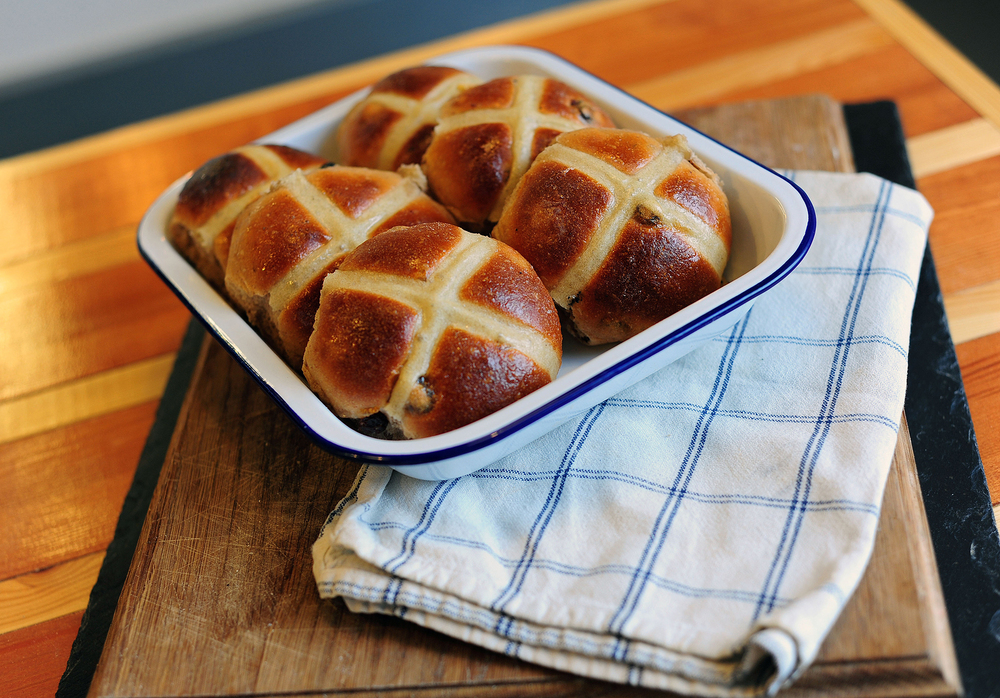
220 598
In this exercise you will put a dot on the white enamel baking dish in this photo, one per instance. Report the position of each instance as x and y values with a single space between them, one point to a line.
773 226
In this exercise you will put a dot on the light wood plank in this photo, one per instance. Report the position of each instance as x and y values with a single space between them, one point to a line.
955 146
974 312
55 333
40 596
147 134
706 81
931 49
71 260
63 489
113 390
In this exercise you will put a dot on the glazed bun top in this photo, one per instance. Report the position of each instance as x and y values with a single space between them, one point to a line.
624 229
489 135
392 125
288 240
434 327
207 206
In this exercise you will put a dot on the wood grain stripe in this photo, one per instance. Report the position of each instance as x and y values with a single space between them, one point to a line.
929 153
706 81
973 312
71 260
939 56
47 594
81 399
952 147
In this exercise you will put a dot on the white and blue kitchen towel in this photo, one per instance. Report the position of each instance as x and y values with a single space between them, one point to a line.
702 530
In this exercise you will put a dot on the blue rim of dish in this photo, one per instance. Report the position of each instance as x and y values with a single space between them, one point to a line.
516 425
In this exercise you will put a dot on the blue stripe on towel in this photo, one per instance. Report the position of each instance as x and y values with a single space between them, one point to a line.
668 511
430 510
545 515
810 457
755 416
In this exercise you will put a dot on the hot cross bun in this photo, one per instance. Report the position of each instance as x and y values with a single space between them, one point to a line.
624 229
434 327
489 134
392 125
288 240
207 207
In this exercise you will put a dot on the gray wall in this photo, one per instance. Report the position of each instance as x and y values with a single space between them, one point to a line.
42 38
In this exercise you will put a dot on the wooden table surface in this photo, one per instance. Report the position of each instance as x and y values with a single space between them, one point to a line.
90 332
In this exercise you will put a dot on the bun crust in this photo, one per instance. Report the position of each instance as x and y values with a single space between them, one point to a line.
489 135
434 327
202 224
623 229
392 125
288 240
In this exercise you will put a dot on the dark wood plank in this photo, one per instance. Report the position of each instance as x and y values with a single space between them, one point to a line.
245 567
781 133
980 362
675 35
63 489
965 235
899 600
72 198
897 613
32 659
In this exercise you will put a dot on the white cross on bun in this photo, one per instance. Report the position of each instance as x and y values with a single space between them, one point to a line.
392 125
288 240
433 327
489 134
207 206
624 229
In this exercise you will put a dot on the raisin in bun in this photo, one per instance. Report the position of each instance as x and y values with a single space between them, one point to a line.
288 240
207 206
489 134
623 229
434 327
392 125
